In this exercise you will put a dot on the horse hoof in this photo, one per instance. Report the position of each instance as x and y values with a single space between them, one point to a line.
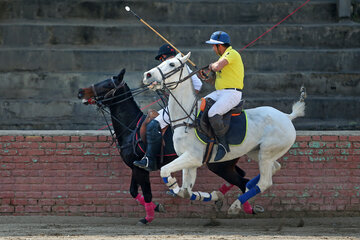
258 209
142 222
219 204
159 208
171 193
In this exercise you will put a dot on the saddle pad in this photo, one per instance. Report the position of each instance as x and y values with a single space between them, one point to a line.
236 133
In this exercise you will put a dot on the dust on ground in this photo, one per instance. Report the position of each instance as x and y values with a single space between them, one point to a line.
98 228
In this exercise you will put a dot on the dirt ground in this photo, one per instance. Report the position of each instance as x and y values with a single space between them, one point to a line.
91 228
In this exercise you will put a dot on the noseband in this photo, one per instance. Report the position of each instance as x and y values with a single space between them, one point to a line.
121 84
172 72
173 86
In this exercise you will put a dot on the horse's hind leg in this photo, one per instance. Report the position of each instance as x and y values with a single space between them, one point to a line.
233 175
230 173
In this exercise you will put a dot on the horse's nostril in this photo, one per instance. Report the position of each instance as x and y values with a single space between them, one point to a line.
81 93
148 75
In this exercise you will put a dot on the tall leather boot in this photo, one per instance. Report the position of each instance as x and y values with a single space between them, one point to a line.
154 141
220 130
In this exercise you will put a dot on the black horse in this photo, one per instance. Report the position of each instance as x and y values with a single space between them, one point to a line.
127 118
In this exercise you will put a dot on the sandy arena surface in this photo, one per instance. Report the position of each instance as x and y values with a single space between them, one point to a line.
91 228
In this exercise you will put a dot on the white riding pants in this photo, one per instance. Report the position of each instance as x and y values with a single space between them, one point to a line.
225 100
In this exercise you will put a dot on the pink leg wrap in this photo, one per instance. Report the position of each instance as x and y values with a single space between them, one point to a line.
149 208
225 188
140 199
247 208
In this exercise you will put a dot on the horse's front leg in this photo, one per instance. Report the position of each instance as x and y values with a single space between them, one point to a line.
189 177
188 180
185 161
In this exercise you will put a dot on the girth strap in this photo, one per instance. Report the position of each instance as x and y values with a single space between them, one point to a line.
208 150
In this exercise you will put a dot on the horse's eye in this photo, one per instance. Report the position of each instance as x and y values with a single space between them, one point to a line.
172 64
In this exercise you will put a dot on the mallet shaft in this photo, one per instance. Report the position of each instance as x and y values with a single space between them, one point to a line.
163 38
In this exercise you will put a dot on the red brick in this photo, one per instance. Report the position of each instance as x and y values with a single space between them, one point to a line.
33 138
6 209
354 138
102 145
63 152
47 138
19 209
89 138
8 152
61 138
343 138
88 208
343 144
46 202
32 209
7 138
74 145
18 145
31 152
75 139
5 201
103 139
303 138
47 145
57 208
20 138
315 138
330 138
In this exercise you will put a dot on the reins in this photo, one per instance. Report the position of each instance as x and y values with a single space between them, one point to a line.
172 85
101 104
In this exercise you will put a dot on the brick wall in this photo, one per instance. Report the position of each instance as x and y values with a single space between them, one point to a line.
79 173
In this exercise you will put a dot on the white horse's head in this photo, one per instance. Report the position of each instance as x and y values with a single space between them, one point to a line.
166 72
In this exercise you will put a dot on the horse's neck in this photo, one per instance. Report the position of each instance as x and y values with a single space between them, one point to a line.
125 115
183 95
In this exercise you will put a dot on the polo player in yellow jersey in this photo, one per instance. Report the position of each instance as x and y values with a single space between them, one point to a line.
228 84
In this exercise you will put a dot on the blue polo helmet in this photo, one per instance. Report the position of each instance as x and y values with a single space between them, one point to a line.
219 37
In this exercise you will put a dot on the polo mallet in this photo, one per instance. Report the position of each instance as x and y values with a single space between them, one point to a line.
127 8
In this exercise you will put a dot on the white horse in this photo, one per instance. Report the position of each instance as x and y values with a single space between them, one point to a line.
269 136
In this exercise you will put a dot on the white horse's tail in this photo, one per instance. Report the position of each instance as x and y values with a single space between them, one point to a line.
298 108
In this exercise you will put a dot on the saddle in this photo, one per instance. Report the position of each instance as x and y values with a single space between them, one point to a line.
203 124
234 121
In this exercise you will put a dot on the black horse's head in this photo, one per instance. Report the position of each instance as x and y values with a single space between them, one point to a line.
103 89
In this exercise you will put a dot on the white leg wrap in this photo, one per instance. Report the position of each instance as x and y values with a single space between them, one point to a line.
206 197
172 184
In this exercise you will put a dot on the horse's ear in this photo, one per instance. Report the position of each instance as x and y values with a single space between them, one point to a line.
121 74
178 56
185 58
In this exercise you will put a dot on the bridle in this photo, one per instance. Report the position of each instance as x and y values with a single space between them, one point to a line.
172 86
172 72
112 81
102 103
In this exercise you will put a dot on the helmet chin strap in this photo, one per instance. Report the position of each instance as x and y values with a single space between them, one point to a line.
218 50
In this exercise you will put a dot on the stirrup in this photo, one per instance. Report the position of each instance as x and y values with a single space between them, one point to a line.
145 165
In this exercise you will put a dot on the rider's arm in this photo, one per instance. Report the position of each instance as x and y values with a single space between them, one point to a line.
218 65
195 81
